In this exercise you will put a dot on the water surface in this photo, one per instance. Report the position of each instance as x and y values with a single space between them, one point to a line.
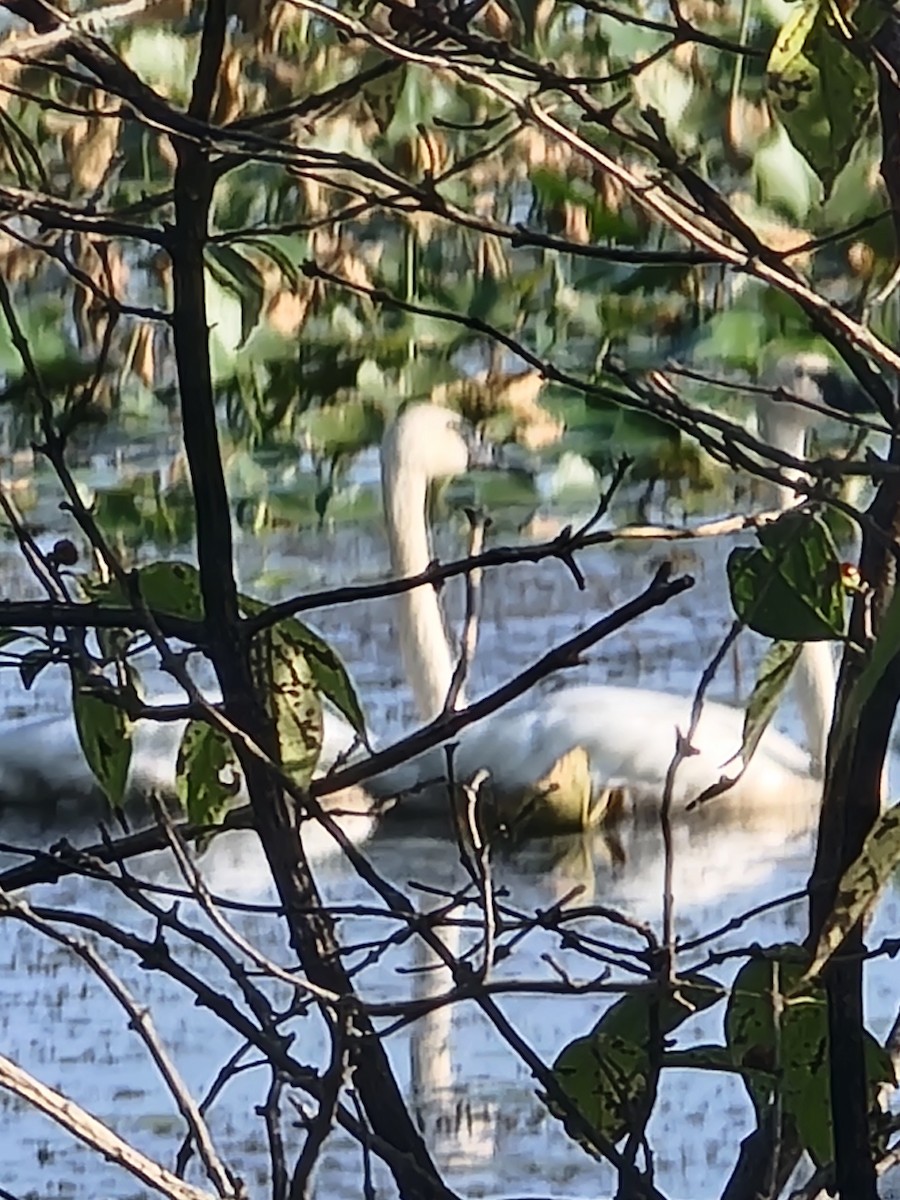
475 1098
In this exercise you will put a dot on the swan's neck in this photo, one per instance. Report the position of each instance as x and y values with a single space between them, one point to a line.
426 651
815 684
783 425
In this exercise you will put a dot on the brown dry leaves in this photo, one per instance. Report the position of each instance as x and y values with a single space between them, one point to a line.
18 263
89 147
746 124
142 353
106 275
514 396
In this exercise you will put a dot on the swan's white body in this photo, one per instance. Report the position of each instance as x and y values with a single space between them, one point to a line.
42 764
629 734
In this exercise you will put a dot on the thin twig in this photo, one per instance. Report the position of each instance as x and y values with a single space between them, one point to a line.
478 525
73 1118
139 1018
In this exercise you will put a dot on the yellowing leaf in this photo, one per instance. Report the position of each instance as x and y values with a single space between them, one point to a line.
285 679
513 397
820 89
143 360
206 773
328 671
774 673
104 732
90 148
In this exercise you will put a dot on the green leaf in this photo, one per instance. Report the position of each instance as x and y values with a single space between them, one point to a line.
104 731
328 672
749 1031
860 886
783 179
236 274
821 90
790 588
163 57
667 90
777 1032
774 674
282 672
382 95
207 776
225 312
736 337
172 588
607 1073
344 428
413 106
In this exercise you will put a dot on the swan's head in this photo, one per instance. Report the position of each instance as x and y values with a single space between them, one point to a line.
815 382
435 441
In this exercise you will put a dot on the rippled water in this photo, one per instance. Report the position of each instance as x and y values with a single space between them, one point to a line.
475 1098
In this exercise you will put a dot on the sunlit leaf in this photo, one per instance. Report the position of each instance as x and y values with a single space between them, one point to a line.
790 587
163 58
172 588
104 731
413 106
774 674
207 776
735 337
343 428
784 180
667 90
820 88
860 886
606 1074
226 328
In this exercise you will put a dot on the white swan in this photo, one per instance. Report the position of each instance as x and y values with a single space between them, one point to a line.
627 733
